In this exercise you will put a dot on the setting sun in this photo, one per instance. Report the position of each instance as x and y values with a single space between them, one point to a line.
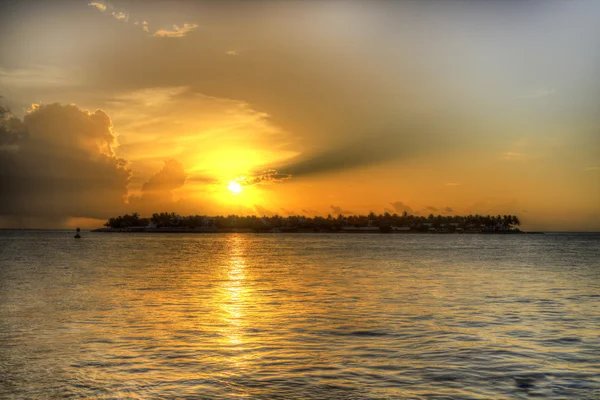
300 199
234 187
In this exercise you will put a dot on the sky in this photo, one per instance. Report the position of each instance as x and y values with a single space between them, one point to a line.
316 107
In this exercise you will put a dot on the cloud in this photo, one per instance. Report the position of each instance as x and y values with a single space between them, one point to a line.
337 210
400 207
453 184
120 15
99 6
268 176
172 176
178 31
448 210
231 53
143 24
64 165
378 143
157 192
117 14
12 130
348 156
431 208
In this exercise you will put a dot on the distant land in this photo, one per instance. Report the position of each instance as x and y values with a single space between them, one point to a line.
371 223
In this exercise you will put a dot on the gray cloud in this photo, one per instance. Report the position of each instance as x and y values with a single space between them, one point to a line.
396 141
335 159
400 207
264 177
12 129
64 166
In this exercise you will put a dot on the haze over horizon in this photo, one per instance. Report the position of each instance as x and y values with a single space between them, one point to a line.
452 107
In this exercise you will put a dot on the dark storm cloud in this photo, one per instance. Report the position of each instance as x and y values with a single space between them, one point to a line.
63 165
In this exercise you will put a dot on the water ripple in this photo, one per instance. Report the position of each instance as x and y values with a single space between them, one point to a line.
299 316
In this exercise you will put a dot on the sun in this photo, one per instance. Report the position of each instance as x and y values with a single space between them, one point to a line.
234 187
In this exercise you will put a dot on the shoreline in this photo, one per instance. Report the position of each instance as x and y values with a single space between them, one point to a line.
272 231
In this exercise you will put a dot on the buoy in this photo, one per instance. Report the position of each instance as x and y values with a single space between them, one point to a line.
77 235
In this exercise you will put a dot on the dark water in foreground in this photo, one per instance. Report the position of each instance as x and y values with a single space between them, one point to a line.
299 316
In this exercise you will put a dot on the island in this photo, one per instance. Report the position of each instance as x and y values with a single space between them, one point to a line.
371 223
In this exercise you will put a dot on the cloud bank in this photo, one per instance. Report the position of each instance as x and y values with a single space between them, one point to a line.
62 163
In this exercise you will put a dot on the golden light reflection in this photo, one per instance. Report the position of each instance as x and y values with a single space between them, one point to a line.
236 299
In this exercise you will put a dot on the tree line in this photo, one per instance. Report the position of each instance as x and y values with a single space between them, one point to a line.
384 222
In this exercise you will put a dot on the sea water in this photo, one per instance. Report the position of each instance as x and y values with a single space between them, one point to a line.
286 316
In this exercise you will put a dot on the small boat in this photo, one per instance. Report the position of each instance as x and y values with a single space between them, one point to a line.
77 235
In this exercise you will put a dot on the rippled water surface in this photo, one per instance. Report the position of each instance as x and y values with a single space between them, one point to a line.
299 316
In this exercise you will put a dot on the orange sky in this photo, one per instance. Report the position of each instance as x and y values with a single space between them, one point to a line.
314 108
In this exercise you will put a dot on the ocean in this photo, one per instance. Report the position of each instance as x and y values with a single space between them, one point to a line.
299 316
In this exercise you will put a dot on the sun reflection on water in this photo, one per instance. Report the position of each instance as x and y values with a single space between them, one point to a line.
235 299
